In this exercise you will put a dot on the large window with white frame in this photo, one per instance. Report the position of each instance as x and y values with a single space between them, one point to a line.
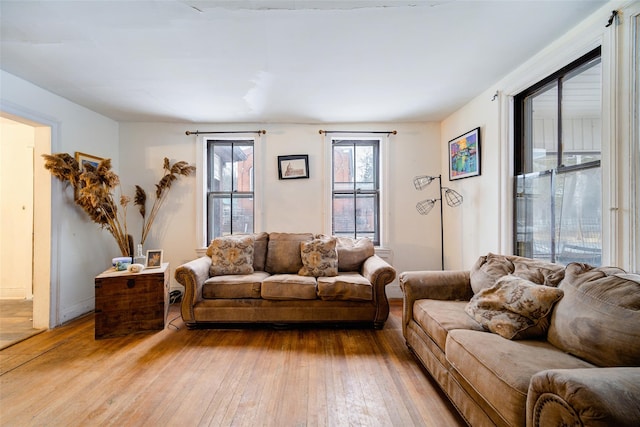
229 187
558 183
355 187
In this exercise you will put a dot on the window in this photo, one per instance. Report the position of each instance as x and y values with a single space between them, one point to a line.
230 197
558 188
356 188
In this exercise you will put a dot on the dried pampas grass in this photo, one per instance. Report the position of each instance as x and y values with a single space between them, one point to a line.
94 186
171 174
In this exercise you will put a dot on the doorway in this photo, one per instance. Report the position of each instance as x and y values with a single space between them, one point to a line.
25 229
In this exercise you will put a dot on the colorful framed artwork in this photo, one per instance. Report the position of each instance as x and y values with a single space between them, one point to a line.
464 155
293 167
154 258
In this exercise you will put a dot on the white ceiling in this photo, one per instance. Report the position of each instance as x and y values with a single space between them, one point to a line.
289 61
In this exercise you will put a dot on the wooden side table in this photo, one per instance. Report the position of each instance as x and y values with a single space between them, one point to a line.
127 303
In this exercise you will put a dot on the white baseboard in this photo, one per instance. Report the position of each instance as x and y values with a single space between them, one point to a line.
77 310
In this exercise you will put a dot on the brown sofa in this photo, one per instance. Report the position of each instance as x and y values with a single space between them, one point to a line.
284 278
508 351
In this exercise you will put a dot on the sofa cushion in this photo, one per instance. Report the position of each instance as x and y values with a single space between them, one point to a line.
514 308
598 319
288 287
260 250
283 253
500 370
488 269
319 257
235 286
437 318
537 271
231 255
348 286
353 252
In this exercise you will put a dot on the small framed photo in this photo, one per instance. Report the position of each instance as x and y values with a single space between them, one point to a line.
83 158
293 167
464 155
154 258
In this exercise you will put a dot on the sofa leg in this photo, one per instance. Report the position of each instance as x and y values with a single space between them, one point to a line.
378 325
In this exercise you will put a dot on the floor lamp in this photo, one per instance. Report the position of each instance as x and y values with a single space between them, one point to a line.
452 197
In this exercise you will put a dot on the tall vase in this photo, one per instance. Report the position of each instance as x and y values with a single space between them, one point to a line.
139 258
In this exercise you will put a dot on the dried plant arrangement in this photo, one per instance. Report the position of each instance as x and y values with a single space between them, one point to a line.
171 173
94 188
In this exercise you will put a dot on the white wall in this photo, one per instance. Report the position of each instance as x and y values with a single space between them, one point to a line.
288 206
80 249
474 228
485 221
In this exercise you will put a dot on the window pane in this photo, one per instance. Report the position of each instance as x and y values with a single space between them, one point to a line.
581 115
242 214
541 121
343 215
365 167
343 178
232 163
533 216
366 214
228 215
219 216
243 167
579 213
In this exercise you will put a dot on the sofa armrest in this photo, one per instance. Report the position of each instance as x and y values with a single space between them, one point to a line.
379 273
588 397
438 285
192 276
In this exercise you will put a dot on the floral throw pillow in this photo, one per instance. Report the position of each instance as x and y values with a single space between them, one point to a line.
514 308
231 255
319 257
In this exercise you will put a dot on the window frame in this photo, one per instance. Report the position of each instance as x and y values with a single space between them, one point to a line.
202 174
523 146
376 191
233 193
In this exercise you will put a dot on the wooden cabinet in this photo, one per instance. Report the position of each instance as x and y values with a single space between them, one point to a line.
131 302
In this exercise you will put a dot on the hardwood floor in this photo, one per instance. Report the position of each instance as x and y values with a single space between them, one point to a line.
16 321
322 376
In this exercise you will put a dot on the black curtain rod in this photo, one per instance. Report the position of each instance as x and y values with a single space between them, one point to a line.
262 131
394 132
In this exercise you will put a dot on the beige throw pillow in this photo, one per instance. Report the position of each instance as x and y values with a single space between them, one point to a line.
352 253
319 258
231 255
514 308
488 269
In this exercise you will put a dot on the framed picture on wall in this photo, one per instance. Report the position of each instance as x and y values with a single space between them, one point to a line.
464 155
83 158
293 167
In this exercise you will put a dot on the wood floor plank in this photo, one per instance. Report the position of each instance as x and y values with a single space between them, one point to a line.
306 376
